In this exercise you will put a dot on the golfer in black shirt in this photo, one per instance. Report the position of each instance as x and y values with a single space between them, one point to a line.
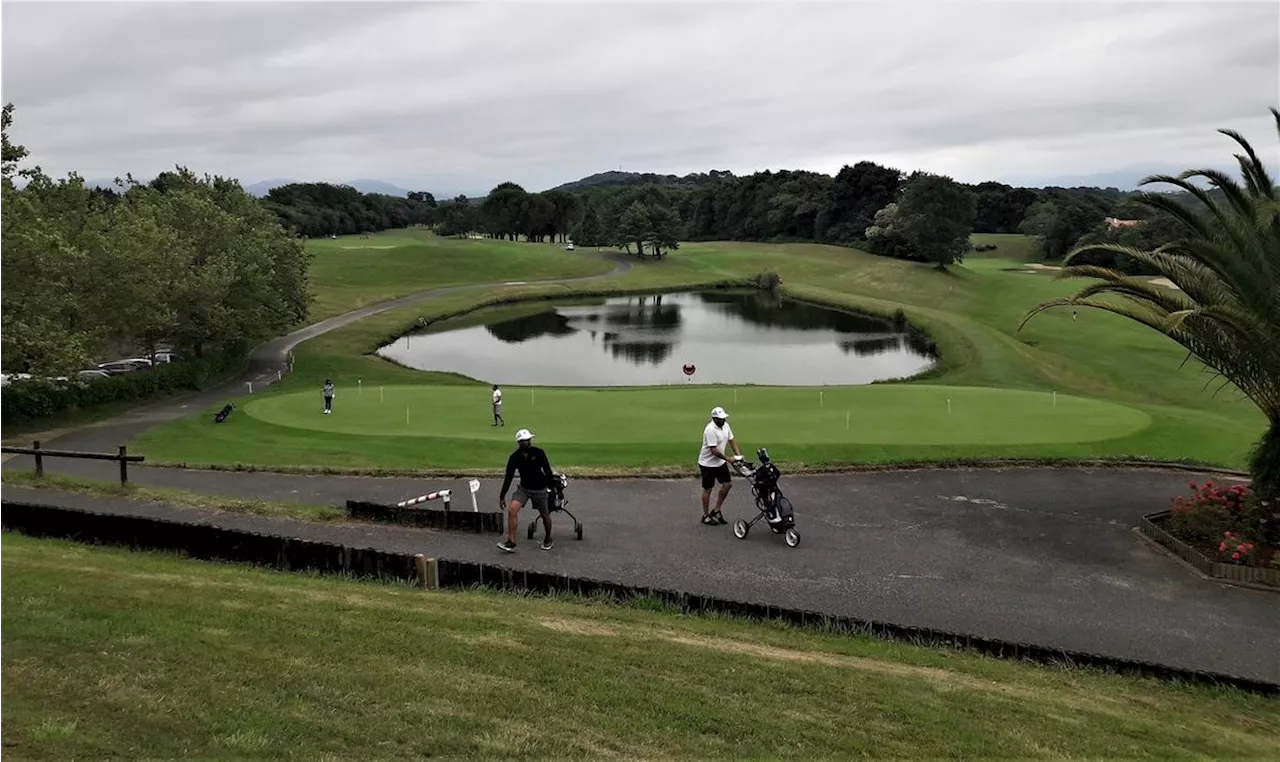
535 479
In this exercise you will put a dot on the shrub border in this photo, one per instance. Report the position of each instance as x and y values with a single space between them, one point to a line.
1253 577
210 542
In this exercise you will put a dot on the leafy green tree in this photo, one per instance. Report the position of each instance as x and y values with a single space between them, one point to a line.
10 153
1226 266
589 231
664 231
634 226
935 217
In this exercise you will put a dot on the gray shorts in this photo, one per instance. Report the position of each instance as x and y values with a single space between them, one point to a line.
537 496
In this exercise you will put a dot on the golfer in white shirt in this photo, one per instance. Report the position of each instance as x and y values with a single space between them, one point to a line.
497 407
713 462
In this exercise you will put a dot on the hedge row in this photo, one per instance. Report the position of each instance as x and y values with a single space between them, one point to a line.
32 399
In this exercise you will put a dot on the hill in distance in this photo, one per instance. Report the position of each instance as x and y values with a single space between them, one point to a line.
617 179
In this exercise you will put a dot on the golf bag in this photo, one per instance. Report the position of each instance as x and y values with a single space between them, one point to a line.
223 413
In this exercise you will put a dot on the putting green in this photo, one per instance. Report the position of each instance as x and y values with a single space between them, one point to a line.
877 414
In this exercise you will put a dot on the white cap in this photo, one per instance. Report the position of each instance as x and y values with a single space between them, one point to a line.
718 412
523 434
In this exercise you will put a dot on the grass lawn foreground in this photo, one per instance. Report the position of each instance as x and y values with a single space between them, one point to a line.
110 653
1121 390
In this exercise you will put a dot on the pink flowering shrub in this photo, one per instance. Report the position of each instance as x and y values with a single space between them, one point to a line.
1209 512
1235 550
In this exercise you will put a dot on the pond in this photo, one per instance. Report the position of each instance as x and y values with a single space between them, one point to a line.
730 337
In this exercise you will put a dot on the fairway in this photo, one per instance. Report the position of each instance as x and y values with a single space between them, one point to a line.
760 415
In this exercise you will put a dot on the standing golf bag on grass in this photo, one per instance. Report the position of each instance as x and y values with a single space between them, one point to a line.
222 414
556 501
774 507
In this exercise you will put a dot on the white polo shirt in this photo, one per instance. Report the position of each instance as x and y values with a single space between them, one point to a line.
497 396
713 436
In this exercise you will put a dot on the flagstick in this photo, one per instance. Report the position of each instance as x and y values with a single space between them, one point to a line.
948 406
846 420
735 396
406 415
359 387
820 393
1055 400
380 394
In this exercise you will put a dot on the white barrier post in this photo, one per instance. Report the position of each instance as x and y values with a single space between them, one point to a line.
1055 400
380 394
359 386
444 493
948 406
279 375
250 383
474 484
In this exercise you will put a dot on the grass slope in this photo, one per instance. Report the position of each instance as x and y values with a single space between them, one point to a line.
972 312
116 654
352 272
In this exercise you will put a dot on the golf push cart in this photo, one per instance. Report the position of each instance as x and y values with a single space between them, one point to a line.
774 507
556 501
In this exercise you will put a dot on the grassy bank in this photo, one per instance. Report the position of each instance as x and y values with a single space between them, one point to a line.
352 272
174 497
112 653
971 311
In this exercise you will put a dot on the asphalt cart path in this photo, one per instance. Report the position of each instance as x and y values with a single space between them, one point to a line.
1044 556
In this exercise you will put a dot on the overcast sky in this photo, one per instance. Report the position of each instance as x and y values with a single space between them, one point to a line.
458 97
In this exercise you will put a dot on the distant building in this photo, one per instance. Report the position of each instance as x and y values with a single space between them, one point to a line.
1114 223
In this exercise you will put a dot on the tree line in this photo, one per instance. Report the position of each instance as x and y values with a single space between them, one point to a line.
185 261
918 216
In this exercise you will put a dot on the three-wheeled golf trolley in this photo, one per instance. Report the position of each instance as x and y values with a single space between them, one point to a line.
774 507
556 501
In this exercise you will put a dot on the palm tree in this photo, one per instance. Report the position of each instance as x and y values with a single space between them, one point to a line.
1226 266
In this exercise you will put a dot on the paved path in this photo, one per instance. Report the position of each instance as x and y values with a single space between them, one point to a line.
1045 556
1039 555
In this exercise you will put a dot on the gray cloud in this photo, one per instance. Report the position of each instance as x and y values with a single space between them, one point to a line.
459 97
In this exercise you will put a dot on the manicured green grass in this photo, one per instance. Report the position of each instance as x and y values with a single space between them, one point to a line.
351 272
110 653
391 427
1021 248
972 311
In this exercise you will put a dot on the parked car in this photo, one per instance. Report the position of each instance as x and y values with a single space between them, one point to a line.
92 374
164 358
8 378
129 365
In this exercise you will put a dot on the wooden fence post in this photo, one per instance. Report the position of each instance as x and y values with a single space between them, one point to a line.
39 458
124 465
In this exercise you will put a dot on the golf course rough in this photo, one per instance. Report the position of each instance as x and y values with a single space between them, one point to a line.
876 414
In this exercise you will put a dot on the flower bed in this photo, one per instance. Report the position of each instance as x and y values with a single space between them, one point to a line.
1225 532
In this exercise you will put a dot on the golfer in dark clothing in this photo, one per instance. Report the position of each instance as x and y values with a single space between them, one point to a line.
535 479
328 396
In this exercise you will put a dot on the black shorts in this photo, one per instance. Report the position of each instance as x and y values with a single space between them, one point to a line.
713 474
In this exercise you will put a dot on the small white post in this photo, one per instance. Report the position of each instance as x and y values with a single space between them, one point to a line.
250 383
279 375
735 396
359 386
406 415
948 406
846 420
474 484
531 398
1055 400
380 394
820 401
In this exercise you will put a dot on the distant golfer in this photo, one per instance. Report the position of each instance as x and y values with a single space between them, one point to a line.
328 396
497 407
713 462
535 479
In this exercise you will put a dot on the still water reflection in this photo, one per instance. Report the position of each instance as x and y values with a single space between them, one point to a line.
729 336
